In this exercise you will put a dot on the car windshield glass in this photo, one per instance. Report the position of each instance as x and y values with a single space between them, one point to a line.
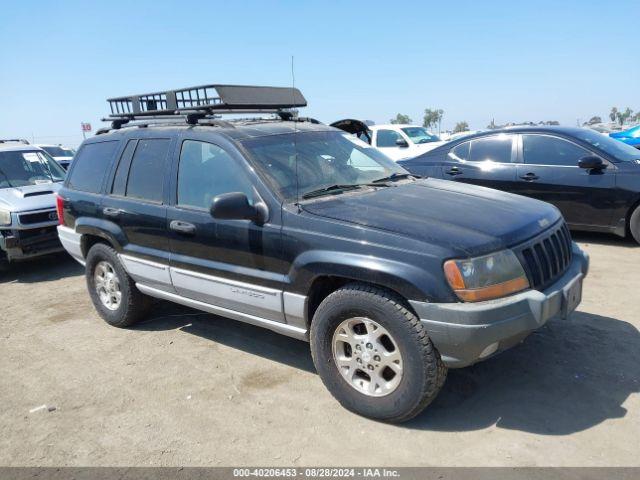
22 168
615 148
323 159
420 135
58 151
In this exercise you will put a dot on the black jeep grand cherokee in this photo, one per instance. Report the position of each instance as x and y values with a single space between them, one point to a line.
302 229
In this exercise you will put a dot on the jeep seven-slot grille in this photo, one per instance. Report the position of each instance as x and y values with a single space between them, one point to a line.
547 257
38 217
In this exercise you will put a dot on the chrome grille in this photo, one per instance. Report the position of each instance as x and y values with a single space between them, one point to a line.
547 257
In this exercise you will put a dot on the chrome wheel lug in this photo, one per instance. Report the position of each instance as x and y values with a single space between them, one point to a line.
370 367
376 358
369 346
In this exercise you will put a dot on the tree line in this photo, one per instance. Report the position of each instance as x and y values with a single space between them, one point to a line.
432 118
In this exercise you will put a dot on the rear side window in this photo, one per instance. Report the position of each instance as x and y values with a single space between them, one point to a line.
495 149
460 152
387 138
546 150
90 166
146 173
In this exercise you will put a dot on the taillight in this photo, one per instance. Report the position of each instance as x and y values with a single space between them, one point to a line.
60 209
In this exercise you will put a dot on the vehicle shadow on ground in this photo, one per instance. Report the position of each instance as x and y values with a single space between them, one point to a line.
604 239
42 269
225 331
566 377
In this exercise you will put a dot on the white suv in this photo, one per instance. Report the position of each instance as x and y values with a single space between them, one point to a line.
400 142
29 180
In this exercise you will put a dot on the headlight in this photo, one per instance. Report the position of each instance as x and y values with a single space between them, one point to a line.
483 278
5 217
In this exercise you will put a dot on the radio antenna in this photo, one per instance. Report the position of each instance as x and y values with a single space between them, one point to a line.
295 132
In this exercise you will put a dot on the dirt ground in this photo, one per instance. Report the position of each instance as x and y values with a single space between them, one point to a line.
187 388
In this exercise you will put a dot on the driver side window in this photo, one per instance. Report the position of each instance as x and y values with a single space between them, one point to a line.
205 171
387 138
548 150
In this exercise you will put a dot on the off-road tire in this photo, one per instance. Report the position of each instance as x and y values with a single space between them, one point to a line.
423 370
634 224
133 305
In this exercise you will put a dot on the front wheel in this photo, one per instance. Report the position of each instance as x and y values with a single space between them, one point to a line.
373 354
634 224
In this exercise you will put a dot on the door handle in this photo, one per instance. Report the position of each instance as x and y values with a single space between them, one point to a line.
454 171
182 227
111 212
529 177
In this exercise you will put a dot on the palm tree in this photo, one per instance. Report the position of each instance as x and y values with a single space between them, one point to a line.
613 115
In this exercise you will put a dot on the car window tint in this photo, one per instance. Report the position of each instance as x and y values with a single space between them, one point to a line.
387 138
146 174
547 150
91 165
496 149
460 152
206 170
120 179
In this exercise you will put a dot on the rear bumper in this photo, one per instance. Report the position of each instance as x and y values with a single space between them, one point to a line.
29 243
465 333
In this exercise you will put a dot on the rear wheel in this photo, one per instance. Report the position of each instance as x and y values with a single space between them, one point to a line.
112 291
634 224
373 354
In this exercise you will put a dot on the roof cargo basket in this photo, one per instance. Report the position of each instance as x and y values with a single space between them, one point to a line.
198 102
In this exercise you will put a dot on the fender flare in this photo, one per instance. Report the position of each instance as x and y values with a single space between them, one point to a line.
410 281
109 231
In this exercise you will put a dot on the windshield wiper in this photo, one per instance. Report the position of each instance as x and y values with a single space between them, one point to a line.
330 189
395 176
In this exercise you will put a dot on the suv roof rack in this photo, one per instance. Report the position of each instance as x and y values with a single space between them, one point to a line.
195 103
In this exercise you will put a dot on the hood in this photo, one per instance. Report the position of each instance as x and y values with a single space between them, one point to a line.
32 197
469 219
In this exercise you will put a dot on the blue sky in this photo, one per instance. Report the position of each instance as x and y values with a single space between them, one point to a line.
477 60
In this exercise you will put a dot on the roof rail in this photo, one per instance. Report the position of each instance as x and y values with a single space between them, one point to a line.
195 103
14 140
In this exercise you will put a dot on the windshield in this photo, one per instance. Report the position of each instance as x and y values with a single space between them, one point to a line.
420 135
59 151
621 151
324 159
21 168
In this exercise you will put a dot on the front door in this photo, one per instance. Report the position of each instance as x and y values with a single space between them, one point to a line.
226 263
549 171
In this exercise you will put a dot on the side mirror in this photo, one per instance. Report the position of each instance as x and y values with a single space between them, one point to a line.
592 161
402 143
236 206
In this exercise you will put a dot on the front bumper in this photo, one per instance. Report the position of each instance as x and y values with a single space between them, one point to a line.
21 244
465 333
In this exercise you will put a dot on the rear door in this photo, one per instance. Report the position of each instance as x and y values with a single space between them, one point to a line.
231 264
549 171
487 161
135 202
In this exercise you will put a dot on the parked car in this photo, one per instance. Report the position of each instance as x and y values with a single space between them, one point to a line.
630 136
396 141
29 179
62 155
303 229
593 179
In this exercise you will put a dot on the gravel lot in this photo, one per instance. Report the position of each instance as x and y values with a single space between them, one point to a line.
187 388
